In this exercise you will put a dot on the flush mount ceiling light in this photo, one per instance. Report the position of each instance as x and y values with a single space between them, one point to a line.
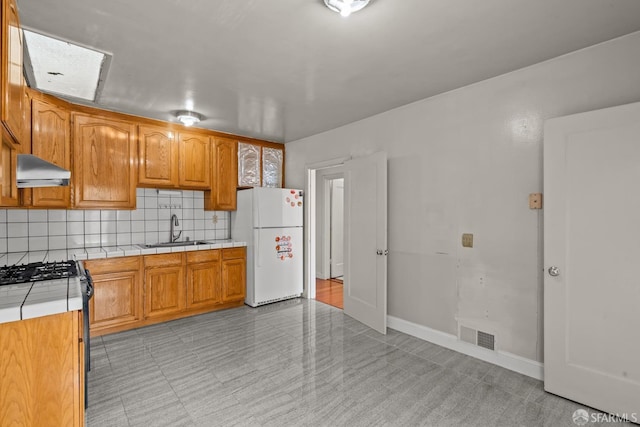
346 7
64 68
188 118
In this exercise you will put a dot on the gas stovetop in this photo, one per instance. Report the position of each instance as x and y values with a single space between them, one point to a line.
37 271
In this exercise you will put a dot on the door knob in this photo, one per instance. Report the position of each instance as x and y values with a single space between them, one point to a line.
554 271
379 252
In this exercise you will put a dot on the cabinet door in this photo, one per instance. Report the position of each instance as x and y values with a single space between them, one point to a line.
164 288
158 154
233 279
42 372
272 167
117 289
223 176
50 141
104 170
8 159
249 173
204 286
13 85
195 161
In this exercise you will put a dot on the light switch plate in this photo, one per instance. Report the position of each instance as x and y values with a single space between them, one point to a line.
467 240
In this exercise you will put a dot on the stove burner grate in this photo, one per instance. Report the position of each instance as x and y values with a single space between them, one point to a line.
37 271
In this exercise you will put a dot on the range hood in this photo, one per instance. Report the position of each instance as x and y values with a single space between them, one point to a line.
33 171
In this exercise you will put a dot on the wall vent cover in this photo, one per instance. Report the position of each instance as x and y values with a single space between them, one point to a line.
486 340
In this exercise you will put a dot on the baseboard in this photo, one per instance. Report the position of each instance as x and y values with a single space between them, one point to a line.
504 359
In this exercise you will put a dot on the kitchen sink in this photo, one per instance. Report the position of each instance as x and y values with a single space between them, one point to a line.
174 244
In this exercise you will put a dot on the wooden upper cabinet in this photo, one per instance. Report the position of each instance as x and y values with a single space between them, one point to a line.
51 128
260 164
195 161
13 82
158 156
8 163
105 159
224 170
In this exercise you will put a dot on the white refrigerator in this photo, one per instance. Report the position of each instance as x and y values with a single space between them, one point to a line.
270 221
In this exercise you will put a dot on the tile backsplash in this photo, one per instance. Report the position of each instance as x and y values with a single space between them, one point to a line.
38 229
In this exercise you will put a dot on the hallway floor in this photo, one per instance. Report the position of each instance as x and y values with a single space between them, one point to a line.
330 292
301 363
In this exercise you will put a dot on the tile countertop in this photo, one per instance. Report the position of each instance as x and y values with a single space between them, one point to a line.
37 299
81 254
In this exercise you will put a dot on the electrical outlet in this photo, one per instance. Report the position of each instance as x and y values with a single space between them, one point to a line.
214 219
535 201
467 240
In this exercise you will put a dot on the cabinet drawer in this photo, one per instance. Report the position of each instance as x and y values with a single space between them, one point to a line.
112 265
203 256
163 260
233 253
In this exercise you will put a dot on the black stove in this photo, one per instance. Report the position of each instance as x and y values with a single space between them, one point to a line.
37 271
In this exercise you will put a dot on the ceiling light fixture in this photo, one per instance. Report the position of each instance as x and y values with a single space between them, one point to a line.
188 118
346 7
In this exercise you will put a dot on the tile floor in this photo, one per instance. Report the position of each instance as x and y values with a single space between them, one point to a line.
301 363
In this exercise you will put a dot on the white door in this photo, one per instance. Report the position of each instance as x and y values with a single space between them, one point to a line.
592 257
365 233
337 228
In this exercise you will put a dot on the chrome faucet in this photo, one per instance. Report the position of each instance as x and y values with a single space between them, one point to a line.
174 223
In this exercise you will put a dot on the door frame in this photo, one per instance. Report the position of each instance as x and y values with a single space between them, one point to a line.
310 192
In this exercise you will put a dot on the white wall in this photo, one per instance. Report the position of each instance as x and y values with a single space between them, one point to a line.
466 161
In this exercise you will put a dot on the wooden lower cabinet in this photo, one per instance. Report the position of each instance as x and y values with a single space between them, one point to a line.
204 279
234 274
135 291
42 367
164 292
117 297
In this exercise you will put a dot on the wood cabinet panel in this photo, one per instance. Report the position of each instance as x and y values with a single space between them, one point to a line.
117 292
51 129
8 163
234 253
42 371
234 280
104 163
164 291
163 260
195 160
224 172
158 156
13 83
204 287
203 256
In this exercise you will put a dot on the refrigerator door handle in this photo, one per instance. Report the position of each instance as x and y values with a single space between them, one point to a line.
258 250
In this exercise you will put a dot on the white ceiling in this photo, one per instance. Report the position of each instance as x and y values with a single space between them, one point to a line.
285 69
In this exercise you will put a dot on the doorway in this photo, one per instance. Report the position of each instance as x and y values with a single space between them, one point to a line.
365 235
330 237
